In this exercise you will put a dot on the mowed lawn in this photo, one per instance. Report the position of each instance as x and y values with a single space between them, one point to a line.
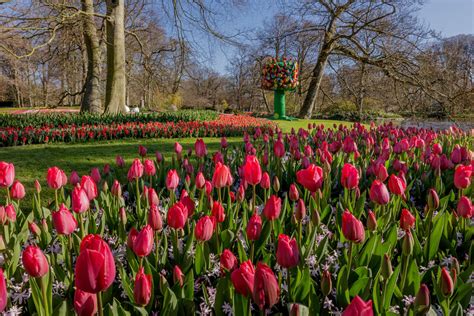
31 162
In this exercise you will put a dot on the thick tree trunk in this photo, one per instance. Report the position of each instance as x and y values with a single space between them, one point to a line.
116 81
91 101
316 78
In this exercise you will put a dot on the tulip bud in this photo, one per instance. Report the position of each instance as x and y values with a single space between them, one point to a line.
37 186
407 243
142 288
265 182
315 218
300 210
17 190
105 186
178 276
116 189
44 225
446 283
293 193
228 260
295 310
34 229
433 199
123 216
386 267
276 184
455 265
371 221
35 262
422 300
326 283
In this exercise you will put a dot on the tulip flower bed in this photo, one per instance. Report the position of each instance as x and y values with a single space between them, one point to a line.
358 221
223 125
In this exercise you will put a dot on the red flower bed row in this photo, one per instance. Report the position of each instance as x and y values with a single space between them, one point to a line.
225 125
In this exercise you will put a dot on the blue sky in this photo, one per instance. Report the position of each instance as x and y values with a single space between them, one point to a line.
449 17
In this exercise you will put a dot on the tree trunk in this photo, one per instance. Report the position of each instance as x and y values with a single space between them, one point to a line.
91 101
316 78
116 80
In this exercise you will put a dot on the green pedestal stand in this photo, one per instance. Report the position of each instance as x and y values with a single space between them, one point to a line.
279 106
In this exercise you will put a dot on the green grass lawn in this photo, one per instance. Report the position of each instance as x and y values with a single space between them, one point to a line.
32 161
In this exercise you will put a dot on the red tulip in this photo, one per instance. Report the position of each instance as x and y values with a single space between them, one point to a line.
311 178
326 283
95 267
222 176
462 176
149 167
228 260
136 170
200 180
55 178
224 142
63 221
446 283
178 276
381 172
3 292
106 169
178 148
34 261
172 180
422 300
200 148
208 187
95 175
177 216
288 254
252 172
218 211
142 151
243 278
279 148
358 307
119 161
437 149
456 155
349 176
352 228
80 200
254 227
407 220
266 291
85 304
34 229
132 235
7 174
265 182
397 185
433 199
89 185
154 218
465 208
116 189
74 178
142 288
17 190
300 210
143 243
188 202
379 193
204 228
272 208
349 145
293 193
371 221
10 212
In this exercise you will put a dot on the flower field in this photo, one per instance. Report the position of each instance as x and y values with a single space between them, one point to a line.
16 130
353 220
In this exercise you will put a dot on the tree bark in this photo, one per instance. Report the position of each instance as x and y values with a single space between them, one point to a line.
316 78
116 81
91 101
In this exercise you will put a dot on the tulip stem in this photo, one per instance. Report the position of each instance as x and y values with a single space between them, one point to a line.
349 262
253 199
252 250
81 222
157 242
44 287
100 304
56 199
288 280
405 260
138 199
430 220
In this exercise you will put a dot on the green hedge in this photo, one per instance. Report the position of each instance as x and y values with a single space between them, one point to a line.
355 116
67 119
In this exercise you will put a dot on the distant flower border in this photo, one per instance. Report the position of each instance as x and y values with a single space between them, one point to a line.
224 125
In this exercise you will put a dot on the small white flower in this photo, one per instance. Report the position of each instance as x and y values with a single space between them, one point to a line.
227 309
408 300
